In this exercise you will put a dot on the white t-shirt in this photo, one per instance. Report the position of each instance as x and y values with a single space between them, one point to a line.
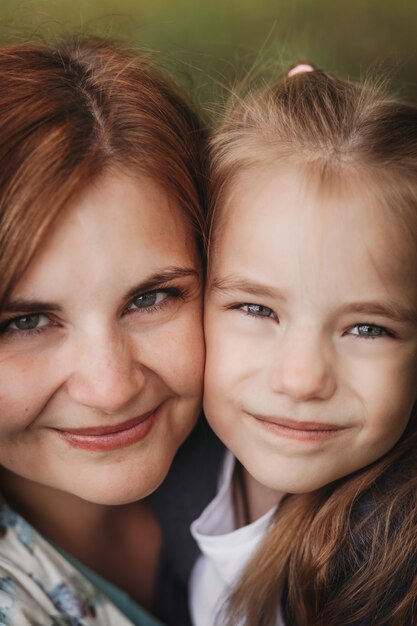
225 551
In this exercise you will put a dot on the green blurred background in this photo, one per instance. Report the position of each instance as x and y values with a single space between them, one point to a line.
209 44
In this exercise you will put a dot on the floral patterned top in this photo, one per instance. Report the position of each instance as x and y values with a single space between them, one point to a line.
39 587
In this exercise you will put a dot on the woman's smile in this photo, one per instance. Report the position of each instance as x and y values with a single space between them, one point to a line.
106 438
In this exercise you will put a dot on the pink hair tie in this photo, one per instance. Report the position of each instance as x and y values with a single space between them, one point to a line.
301 68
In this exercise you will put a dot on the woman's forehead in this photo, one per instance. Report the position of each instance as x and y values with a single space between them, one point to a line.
119 225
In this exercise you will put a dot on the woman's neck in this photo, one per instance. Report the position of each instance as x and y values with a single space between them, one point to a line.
121 543
62 518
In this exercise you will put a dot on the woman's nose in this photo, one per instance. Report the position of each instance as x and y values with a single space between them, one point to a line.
304 368
106 373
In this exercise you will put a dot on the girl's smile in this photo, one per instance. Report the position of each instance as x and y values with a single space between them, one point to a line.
311 331
299 430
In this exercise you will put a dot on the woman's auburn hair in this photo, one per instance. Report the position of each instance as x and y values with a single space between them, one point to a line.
346 554
70 112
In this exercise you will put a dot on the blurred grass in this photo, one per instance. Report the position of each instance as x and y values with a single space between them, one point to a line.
209 43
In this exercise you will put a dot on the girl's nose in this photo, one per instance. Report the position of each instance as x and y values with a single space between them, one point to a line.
304 369
106 375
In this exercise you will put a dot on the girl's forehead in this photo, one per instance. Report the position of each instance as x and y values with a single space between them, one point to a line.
345 195
281 207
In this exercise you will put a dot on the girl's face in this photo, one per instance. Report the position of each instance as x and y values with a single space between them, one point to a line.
311 332
101 348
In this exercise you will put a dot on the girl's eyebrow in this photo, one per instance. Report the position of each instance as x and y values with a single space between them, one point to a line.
392 310
236 283
152 282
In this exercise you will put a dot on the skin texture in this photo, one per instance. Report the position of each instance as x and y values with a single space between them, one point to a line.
310 317
106 349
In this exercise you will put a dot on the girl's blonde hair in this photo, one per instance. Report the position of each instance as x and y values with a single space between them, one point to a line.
67 114
346 554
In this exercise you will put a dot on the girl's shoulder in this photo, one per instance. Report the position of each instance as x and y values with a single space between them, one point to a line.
39 587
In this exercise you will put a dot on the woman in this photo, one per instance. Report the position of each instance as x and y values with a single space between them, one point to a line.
101 352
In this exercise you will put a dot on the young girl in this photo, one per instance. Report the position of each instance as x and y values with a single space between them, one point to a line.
101 346
311 375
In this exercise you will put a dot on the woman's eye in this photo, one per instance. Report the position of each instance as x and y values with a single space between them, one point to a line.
368 331
148 300
257 310
25 324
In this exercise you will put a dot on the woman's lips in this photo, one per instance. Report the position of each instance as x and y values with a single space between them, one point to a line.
302 431
110 437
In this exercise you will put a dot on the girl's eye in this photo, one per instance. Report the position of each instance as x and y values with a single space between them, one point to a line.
26 323
368 331
257 310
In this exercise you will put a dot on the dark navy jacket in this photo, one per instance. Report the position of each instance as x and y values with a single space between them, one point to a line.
191 484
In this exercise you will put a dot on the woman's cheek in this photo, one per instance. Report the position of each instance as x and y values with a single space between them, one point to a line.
188 348
26 384
175 351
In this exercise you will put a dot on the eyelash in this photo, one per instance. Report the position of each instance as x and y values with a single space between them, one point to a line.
6 330
240 307
171 293
383 331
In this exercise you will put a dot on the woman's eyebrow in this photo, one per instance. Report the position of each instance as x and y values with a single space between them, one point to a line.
152 282
161 278
30 306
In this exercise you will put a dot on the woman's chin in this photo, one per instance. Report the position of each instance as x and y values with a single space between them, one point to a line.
121 486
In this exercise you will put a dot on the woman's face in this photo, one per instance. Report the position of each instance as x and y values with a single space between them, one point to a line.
101 349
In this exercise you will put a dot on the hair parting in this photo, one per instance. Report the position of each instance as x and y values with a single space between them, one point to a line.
69 113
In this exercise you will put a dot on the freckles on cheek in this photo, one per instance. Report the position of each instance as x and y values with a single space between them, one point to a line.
22 387
179 354
190 349
16 408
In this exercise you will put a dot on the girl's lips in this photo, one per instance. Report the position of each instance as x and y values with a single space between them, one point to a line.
110 437
302 431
